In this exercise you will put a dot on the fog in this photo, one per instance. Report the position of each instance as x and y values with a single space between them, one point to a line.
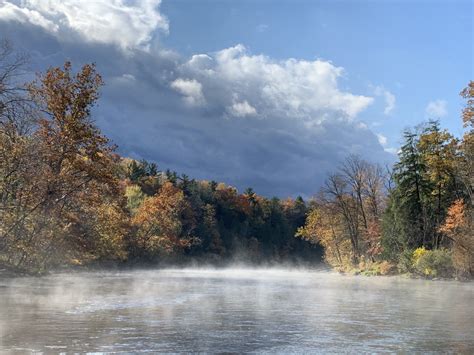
235 309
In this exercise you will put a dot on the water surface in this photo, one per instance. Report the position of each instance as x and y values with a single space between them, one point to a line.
234 310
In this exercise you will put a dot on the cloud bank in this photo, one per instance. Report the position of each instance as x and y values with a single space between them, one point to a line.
246 84
246 119
128 24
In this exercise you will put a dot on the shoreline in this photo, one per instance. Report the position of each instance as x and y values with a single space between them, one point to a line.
7 274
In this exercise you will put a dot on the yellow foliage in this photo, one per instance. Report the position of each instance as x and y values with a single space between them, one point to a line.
433 263
326 228
135 197
160 221
418 253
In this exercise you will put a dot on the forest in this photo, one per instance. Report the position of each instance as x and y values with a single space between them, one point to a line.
68 199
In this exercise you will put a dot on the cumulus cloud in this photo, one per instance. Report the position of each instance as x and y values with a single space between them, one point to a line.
436 109
390 99
191 89
242 109
249 120
128 24
382 139
297 89
12 12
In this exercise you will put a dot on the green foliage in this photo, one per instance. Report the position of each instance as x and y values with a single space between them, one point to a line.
135 197
408 200
405 261
427 263
425 187
171 176
433 263
136 171
66 197
393 236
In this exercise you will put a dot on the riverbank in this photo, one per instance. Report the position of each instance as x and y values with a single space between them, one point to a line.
374 271
381 269
192 263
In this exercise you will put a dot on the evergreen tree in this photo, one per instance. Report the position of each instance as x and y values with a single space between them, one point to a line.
152 169
136 171
438 151
406 218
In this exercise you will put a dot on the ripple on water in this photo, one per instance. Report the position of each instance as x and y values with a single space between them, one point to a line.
234 310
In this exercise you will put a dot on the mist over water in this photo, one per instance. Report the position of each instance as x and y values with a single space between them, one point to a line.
234 310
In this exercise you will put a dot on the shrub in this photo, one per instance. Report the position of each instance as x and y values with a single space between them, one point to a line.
405 263
418 253
374 268
386 268
433 263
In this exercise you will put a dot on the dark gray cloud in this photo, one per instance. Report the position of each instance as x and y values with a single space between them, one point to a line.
247 120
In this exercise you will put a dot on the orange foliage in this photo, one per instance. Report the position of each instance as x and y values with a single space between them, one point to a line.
161 222
458 227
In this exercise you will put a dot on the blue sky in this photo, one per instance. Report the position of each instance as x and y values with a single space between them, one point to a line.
421 51
269 94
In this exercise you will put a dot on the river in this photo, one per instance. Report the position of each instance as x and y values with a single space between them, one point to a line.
234 310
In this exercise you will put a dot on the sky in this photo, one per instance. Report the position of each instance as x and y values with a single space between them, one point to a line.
267 94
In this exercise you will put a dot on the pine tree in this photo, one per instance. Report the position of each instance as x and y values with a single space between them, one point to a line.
408 199
438 150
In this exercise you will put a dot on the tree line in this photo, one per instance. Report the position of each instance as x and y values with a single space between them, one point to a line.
415 217
67 197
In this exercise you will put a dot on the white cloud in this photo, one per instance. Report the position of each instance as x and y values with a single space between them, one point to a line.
119 22
292 88
297 116
192 91
11 12
390 99
436 109
382 139
242 109
392 150
296 89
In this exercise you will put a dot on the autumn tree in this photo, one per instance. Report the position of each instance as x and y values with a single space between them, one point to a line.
163 224
466 159
426 182
66 197
325 226
346 216
459 228
459 223
19 163
135 197
439 152
69 164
